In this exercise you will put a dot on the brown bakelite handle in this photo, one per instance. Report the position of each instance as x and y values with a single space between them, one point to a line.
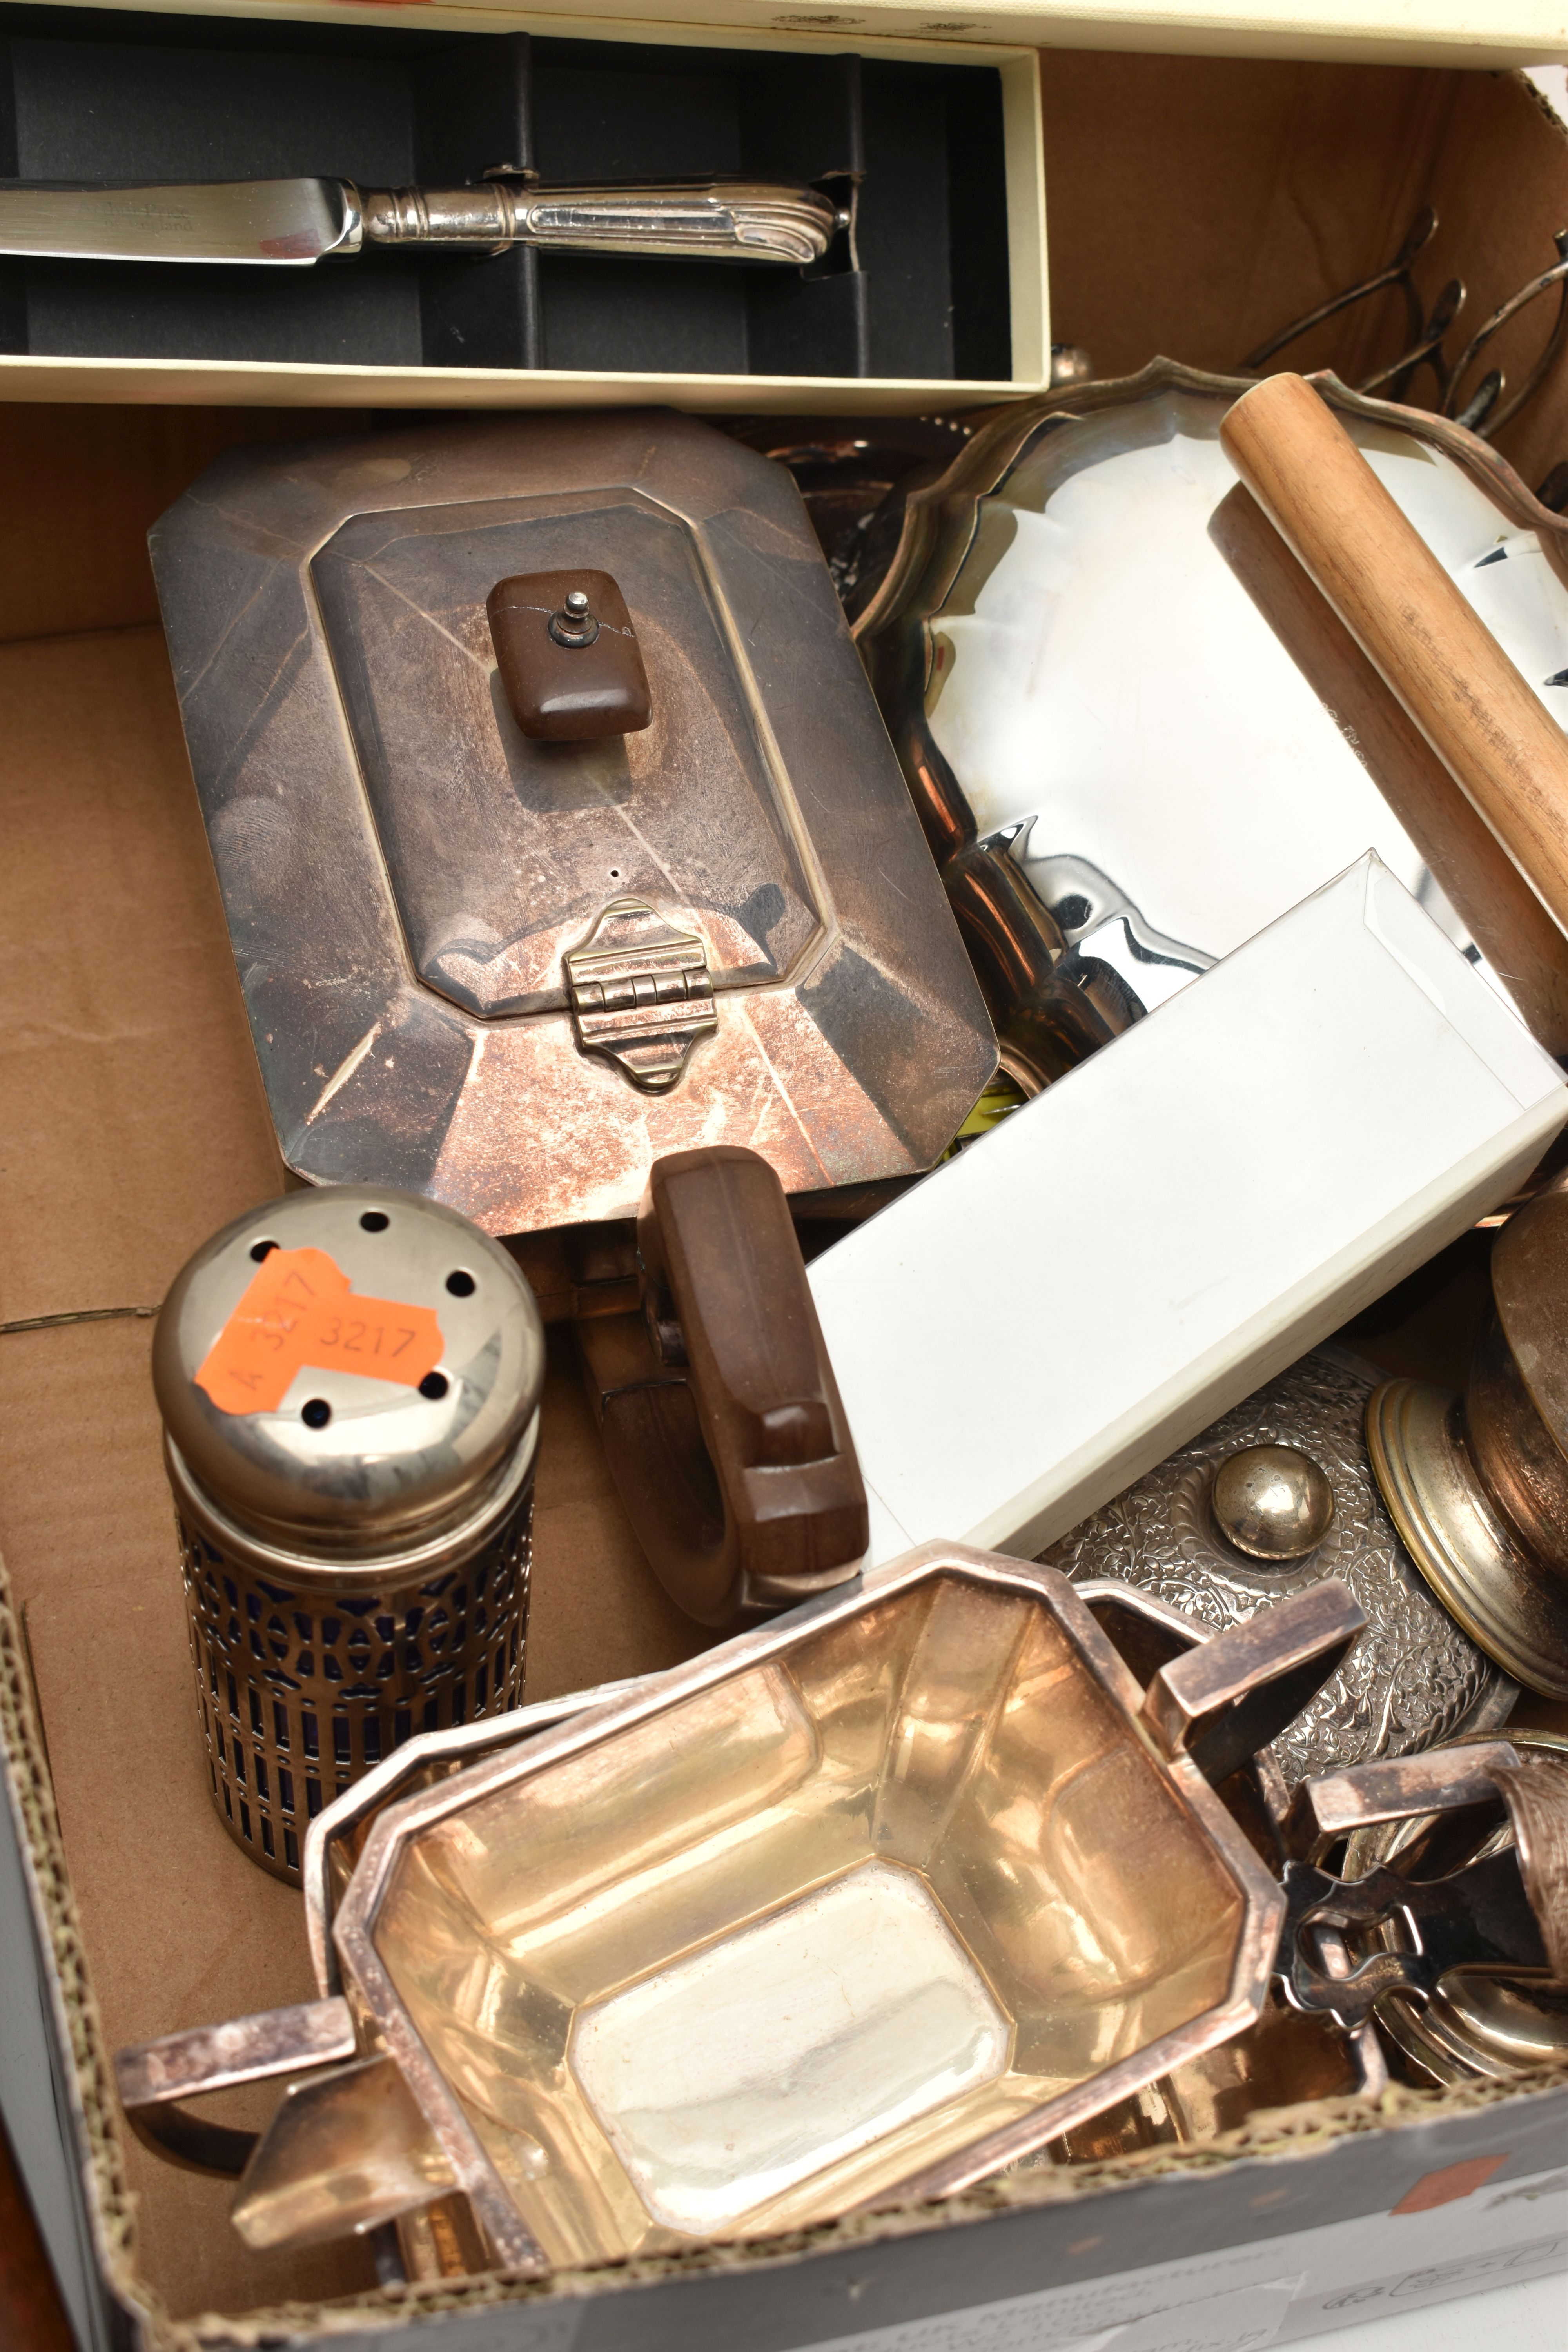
722 1423
1440 661
572 671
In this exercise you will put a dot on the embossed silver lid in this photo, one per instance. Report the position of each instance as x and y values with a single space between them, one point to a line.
1413 1681
350 1373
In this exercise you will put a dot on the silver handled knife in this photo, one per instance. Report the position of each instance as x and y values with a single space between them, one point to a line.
290 223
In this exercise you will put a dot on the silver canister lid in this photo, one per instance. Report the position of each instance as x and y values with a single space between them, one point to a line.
349 1373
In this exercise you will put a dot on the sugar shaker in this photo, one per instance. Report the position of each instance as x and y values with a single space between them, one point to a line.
349 1384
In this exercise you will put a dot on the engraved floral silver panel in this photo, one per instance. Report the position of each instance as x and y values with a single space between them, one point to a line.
1413 1680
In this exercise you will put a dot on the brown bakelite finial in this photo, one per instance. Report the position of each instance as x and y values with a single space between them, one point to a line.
568 655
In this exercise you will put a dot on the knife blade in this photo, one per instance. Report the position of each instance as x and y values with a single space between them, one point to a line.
289 222
293 223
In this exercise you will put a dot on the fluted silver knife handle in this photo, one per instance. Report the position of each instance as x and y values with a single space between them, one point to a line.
714 220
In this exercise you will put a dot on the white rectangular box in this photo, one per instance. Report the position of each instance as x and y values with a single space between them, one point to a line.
1048 1316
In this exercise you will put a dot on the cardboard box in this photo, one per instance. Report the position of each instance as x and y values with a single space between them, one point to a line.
936 294
1201 203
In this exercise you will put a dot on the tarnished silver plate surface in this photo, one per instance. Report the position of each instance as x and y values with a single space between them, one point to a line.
405 875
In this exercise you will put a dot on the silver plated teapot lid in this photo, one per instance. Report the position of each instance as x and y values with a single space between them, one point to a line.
352 1372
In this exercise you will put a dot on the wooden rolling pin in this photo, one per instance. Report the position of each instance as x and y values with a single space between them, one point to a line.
1442 663
1498 907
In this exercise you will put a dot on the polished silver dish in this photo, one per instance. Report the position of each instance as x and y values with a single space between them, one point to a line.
1121 769
576 1976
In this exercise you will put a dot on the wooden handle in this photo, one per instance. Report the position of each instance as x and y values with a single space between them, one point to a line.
1507 756
1502 913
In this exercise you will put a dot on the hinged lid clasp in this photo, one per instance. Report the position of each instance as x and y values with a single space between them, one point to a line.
641 993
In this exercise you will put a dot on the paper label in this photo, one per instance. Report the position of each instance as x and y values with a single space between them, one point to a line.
300 1308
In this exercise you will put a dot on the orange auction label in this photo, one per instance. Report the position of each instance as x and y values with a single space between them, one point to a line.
300 1308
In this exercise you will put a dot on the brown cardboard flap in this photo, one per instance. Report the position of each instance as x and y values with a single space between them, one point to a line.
81 487
1499 184
181 1928
134 1126
134 1117
1197 204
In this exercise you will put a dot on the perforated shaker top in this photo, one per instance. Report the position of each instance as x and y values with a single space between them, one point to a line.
349 1370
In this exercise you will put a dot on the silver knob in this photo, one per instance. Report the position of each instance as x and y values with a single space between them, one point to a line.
1272 1502
573 625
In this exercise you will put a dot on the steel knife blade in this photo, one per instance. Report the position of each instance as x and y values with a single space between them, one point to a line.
277 223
